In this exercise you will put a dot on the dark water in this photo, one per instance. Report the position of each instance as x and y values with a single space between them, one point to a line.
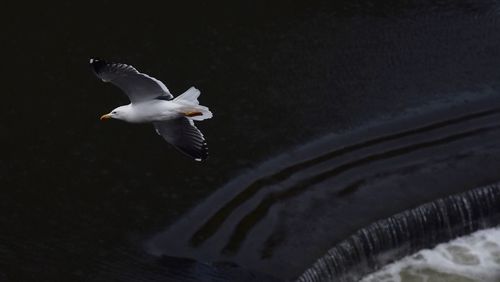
85 200
336 185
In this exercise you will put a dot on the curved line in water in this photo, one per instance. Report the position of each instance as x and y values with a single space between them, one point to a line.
210 227
252 218
347 190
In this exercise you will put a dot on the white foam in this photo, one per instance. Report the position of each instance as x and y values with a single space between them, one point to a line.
475 257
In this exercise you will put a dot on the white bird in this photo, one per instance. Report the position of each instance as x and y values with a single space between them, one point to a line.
151 102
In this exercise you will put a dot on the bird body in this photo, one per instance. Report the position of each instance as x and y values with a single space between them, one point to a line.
151 102
149 111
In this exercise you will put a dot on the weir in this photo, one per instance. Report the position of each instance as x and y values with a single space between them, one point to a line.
405 233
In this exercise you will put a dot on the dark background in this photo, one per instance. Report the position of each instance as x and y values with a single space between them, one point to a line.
78 193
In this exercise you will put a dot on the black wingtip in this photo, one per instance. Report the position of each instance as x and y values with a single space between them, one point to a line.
97 64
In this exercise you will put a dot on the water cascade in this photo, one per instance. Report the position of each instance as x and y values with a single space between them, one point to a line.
405 233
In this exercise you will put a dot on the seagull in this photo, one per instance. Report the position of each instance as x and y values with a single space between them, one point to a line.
151 102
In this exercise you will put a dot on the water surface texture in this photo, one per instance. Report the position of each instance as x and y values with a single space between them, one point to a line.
328 116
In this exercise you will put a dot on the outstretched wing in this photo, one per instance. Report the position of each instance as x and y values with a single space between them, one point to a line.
138 86
184 136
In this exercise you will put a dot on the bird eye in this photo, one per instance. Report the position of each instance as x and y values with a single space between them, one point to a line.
114 112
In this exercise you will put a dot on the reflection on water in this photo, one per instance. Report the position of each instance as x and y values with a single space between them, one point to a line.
475 257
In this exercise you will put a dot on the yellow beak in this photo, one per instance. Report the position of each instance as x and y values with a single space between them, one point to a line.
105 117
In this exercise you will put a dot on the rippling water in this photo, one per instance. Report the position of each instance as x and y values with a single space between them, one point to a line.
334 186
475 257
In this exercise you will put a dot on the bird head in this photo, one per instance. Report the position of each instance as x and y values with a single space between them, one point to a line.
118 113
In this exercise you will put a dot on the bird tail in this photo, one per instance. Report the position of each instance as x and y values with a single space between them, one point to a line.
192 108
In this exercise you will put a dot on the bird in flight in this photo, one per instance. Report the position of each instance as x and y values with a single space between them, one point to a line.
151 102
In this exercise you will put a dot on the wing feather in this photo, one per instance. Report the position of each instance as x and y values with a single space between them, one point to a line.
184 136
136 85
